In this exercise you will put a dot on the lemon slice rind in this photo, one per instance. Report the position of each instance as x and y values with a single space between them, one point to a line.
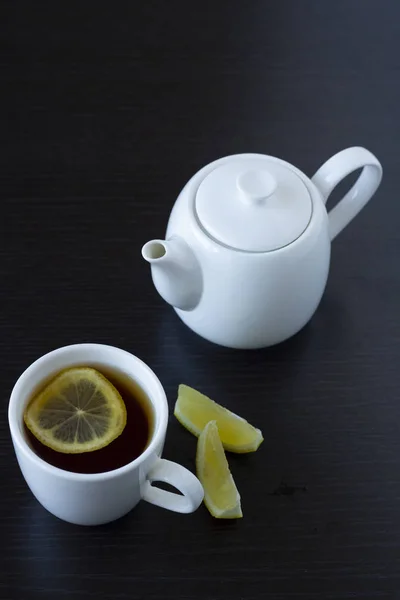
78 411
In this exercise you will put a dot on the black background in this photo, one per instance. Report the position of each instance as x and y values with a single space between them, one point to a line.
107 109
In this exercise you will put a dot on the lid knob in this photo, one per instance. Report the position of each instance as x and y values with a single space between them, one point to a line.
256 186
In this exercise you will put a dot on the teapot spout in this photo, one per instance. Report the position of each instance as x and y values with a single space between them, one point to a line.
176 272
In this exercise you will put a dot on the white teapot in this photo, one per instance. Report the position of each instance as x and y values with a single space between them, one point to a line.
247 249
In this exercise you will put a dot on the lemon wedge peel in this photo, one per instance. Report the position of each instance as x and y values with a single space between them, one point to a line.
221 495
194 411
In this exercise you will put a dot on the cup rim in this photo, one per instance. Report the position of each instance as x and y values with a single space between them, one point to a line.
161 420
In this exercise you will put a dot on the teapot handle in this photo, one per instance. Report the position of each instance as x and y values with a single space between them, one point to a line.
337 168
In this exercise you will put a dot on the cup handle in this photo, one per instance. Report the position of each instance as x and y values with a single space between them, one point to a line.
180 478
337 168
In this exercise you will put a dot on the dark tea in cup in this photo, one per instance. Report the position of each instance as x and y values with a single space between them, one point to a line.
124 449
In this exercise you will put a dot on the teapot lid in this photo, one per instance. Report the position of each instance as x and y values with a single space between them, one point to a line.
254 205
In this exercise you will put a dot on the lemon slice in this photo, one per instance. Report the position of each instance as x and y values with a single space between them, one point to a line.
220 492
79 411
194 410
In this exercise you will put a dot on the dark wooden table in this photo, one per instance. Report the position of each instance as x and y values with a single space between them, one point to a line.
107 110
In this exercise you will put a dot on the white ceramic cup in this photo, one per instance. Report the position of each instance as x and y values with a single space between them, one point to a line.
101 497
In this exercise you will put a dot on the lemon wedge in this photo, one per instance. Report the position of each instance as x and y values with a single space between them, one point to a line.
78 411
194 410
220 492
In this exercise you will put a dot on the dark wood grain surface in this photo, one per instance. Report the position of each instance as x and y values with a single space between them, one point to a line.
107 109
